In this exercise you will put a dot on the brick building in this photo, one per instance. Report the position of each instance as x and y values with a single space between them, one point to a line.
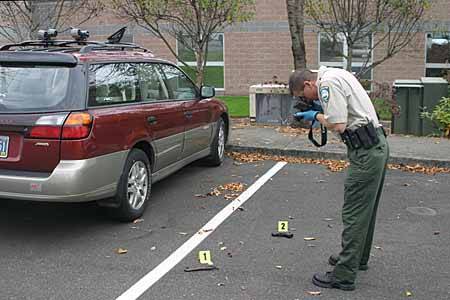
253 52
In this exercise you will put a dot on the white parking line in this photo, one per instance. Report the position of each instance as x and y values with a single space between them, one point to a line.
157 273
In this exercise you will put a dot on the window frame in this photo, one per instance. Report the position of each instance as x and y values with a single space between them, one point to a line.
434 65
208 63
343 64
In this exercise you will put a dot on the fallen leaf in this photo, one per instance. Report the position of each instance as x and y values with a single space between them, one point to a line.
313 293
279 267
153 248
230 196
138 221
121 251
234 186
309 238
223 248
182 233
214 192
379 248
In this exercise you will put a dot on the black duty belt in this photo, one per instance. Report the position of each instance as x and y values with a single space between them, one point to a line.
363 137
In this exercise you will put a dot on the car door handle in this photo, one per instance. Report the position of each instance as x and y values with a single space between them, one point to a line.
152 120
188 114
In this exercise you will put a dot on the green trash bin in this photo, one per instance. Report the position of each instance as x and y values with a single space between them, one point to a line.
434 88
409 96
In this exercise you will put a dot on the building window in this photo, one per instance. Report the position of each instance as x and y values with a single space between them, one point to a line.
334 53
438 55
214 69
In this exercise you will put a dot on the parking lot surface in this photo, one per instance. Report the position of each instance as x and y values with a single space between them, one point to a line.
69 251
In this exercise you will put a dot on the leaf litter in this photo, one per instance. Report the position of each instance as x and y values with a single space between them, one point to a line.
332 165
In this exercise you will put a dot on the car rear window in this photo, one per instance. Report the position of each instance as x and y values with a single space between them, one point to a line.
40 88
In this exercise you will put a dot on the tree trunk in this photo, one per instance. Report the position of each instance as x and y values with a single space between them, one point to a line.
35 20
349 57
296 26
200 57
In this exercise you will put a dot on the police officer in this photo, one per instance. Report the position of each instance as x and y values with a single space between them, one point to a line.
348 111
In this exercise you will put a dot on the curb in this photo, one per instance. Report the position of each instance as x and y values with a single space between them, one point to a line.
338 156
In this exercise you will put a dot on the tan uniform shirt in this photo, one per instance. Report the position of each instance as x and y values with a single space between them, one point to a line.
343 98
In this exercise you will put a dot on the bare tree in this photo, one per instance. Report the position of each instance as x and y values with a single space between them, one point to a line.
295 11
191 22
375 23
20 20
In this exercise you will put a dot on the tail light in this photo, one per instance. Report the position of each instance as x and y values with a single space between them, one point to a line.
77 126
47 127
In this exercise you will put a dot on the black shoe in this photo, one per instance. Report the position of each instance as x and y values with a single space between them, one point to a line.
333 260
328 280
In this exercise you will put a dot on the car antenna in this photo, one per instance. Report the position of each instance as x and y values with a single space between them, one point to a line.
117 36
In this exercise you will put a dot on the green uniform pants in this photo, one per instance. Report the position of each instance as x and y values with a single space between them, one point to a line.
363 188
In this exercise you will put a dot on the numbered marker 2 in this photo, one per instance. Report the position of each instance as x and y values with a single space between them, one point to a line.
283 226
205 257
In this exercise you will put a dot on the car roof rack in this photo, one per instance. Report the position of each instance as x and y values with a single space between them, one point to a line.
113 42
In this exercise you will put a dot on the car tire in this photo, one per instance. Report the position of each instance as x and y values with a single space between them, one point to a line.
218 145
133 191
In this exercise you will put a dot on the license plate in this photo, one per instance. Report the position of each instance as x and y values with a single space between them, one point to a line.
4 144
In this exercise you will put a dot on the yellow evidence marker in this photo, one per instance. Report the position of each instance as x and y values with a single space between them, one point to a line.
205 257
283 226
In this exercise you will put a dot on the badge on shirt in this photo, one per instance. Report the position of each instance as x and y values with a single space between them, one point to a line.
325 94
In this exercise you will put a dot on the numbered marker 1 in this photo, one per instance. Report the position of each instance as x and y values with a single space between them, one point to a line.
205 257
283 226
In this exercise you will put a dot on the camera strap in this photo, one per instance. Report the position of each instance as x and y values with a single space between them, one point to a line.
324 136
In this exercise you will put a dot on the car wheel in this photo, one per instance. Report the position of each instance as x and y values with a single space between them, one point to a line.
218 145
134 187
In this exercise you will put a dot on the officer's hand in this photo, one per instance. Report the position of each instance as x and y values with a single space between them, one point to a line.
309 115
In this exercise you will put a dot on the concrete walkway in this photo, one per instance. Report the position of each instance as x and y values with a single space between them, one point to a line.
282 140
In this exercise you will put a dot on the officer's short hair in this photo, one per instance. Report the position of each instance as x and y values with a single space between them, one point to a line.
298 78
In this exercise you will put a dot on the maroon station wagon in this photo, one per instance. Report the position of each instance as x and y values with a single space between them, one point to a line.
99 121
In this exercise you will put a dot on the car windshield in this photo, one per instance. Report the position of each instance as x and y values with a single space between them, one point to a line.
34 88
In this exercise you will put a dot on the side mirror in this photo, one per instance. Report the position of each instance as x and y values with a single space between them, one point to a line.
207 92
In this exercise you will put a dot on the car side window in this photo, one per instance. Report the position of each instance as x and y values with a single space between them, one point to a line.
113 84
153 87
179 85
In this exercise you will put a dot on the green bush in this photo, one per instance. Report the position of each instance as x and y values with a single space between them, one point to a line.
440 116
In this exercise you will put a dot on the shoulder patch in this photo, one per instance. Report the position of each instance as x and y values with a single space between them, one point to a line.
325 94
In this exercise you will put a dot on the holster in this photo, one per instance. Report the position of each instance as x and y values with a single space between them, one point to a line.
363 137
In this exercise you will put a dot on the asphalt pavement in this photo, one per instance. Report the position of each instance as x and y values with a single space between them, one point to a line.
68 251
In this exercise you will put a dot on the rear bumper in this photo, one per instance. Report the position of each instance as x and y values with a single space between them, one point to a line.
71 181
